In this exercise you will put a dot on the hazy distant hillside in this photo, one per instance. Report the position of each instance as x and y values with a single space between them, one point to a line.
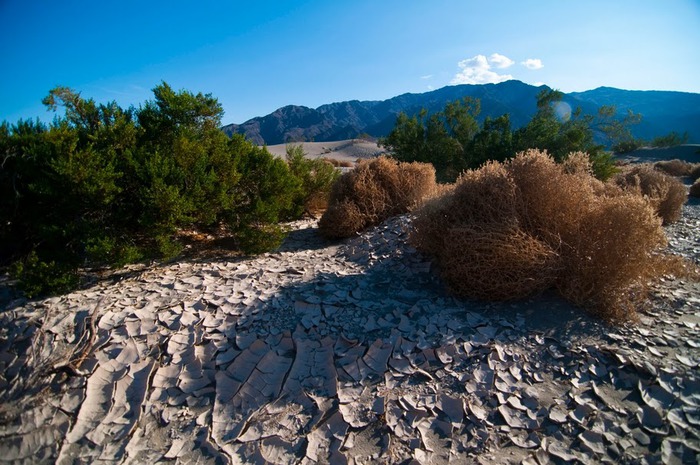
662 112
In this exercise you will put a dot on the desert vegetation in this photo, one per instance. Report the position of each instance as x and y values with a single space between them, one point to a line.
676 167
513 229
452 139
694 190
664 193
374 191
629 144
316 177
103 186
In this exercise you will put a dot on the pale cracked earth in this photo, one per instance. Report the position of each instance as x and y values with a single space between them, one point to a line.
339 353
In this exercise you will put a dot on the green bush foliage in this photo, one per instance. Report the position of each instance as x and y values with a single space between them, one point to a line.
316 178
671 139
452 140
510 230
374 191
104 186
627 146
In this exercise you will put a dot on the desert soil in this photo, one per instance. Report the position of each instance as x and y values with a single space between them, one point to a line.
345 352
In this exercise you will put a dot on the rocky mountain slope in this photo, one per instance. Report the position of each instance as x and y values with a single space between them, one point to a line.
662 112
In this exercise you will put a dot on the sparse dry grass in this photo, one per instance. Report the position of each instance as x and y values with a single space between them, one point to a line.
665 193
507 231
374 191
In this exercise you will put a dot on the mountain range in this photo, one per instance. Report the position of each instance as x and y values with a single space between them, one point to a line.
662 112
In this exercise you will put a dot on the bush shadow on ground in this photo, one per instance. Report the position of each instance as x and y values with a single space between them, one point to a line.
398 292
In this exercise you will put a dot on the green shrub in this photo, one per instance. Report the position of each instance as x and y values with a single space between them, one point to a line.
106 250
627 146
255 239
316 178
664 193
374 191
37 277
603 165
106 186
511 230
452 140
671 139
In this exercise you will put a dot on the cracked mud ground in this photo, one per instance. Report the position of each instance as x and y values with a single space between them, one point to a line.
340 353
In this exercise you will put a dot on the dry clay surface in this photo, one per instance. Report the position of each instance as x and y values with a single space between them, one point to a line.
346 352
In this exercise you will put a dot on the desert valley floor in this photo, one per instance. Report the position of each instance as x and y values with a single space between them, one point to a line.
344 352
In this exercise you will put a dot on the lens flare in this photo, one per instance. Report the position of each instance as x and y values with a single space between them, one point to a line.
562 110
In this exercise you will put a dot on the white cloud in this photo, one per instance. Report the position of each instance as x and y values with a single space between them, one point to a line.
532 63
477 70
500 61
426 77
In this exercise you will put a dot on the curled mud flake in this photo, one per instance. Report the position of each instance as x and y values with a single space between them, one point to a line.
453 407
641 437
679 451
515 402
652 420
580 413
377 356
525 440
514 419
98 400
177 448
687 361
593 441
564 452
656 396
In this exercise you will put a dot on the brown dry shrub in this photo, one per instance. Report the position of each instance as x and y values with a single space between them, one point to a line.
695 172
488 262
695 189
578 163
676 167
340 217
478 197
511 230
551 199
374 191
665 193
611 253
316 203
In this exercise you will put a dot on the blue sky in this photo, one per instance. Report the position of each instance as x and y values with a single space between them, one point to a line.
258 56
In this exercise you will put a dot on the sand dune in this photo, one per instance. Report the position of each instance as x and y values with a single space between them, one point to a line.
345 150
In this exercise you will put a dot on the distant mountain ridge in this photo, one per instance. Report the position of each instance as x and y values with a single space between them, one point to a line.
662 112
